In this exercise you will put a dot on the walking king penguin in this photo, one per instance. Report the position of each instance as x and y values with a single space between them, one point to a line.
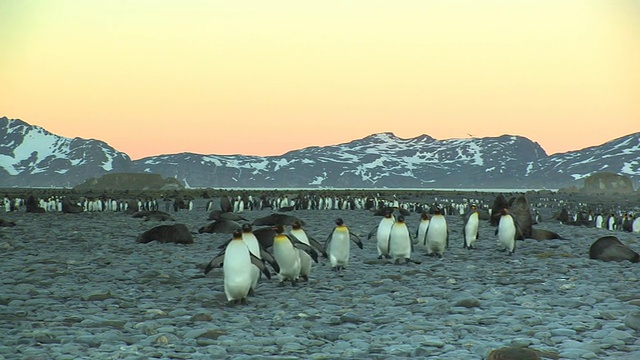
338 245
286 254
236 261
421 231
470 229
256 250
437 237
400 243
507 232
383 232
305 259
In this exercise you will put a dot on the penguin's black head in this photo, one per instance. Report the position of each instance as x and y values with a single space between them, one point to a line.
400 219
437 211
237 234
296 225
425 215
279 228
473 207
339 222
246 228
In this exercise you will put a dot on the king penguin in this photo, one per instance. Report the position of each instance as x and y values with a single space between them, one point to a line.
400 244
236 261
507 232
287 255
470 229
437 237
421 231
383 233
256 250
338 245
298 233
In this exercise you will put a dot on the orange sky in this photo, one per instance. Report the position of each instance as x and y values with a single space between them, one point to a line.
265 77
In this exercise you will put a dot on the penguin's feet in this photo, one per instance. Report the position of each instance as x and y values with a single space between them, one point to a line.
251 292
243 301
502 250
387 256
380 257
281 283
294 282
305 278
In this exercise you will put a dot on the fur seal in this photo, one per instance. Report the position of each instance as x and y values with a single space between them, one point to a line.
32 205
221 226
496 209
511 353
277 219
609 248
5 223
155 215
541 234
519 209
68 207
177 233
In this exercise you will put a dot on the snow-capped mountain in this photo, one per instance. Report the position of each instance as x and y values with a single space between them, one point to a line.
31 156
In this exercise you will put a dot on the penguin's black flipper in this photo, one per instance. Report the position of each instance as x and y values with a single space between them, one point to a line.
266 256
306 248
317 246
224 244
373 232
355 239
327 242
215 262
260 264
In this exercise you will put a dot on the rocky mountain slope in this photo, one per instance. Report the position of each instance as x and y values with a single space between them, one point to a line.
31 156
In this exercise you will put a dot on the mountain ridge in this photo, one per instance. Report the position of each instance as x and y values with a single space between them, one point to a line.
32 156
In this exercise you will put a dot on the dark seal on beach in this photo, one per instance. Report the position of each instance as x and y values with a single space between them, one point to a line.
32 205
609 248
177 233
6 223
277 219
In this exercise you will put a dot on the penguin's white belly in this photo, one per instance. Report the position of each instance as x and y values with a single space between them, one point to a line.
382 237
506 234
422 232
288 259
237 269
400 243
339 249
471 230
437 236
305 263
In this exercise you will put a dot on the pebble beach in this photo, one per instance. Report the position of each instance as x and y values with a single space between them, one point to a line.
79 286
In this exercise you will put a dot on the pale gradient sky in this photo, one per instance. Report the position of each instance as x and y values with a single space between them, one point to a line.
265 77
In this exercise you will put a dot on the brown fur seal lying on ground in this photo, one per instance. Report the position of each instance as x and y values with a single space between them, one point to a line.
155 215
220 226
177 233
69 207
609 248
276 219
5 223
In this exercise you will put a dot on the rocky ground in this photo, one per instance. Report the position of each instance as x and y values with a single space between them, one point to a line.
78 286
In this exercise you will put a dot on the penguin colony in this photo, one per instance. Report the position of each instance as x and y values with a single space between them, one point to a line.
279 244
291 252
